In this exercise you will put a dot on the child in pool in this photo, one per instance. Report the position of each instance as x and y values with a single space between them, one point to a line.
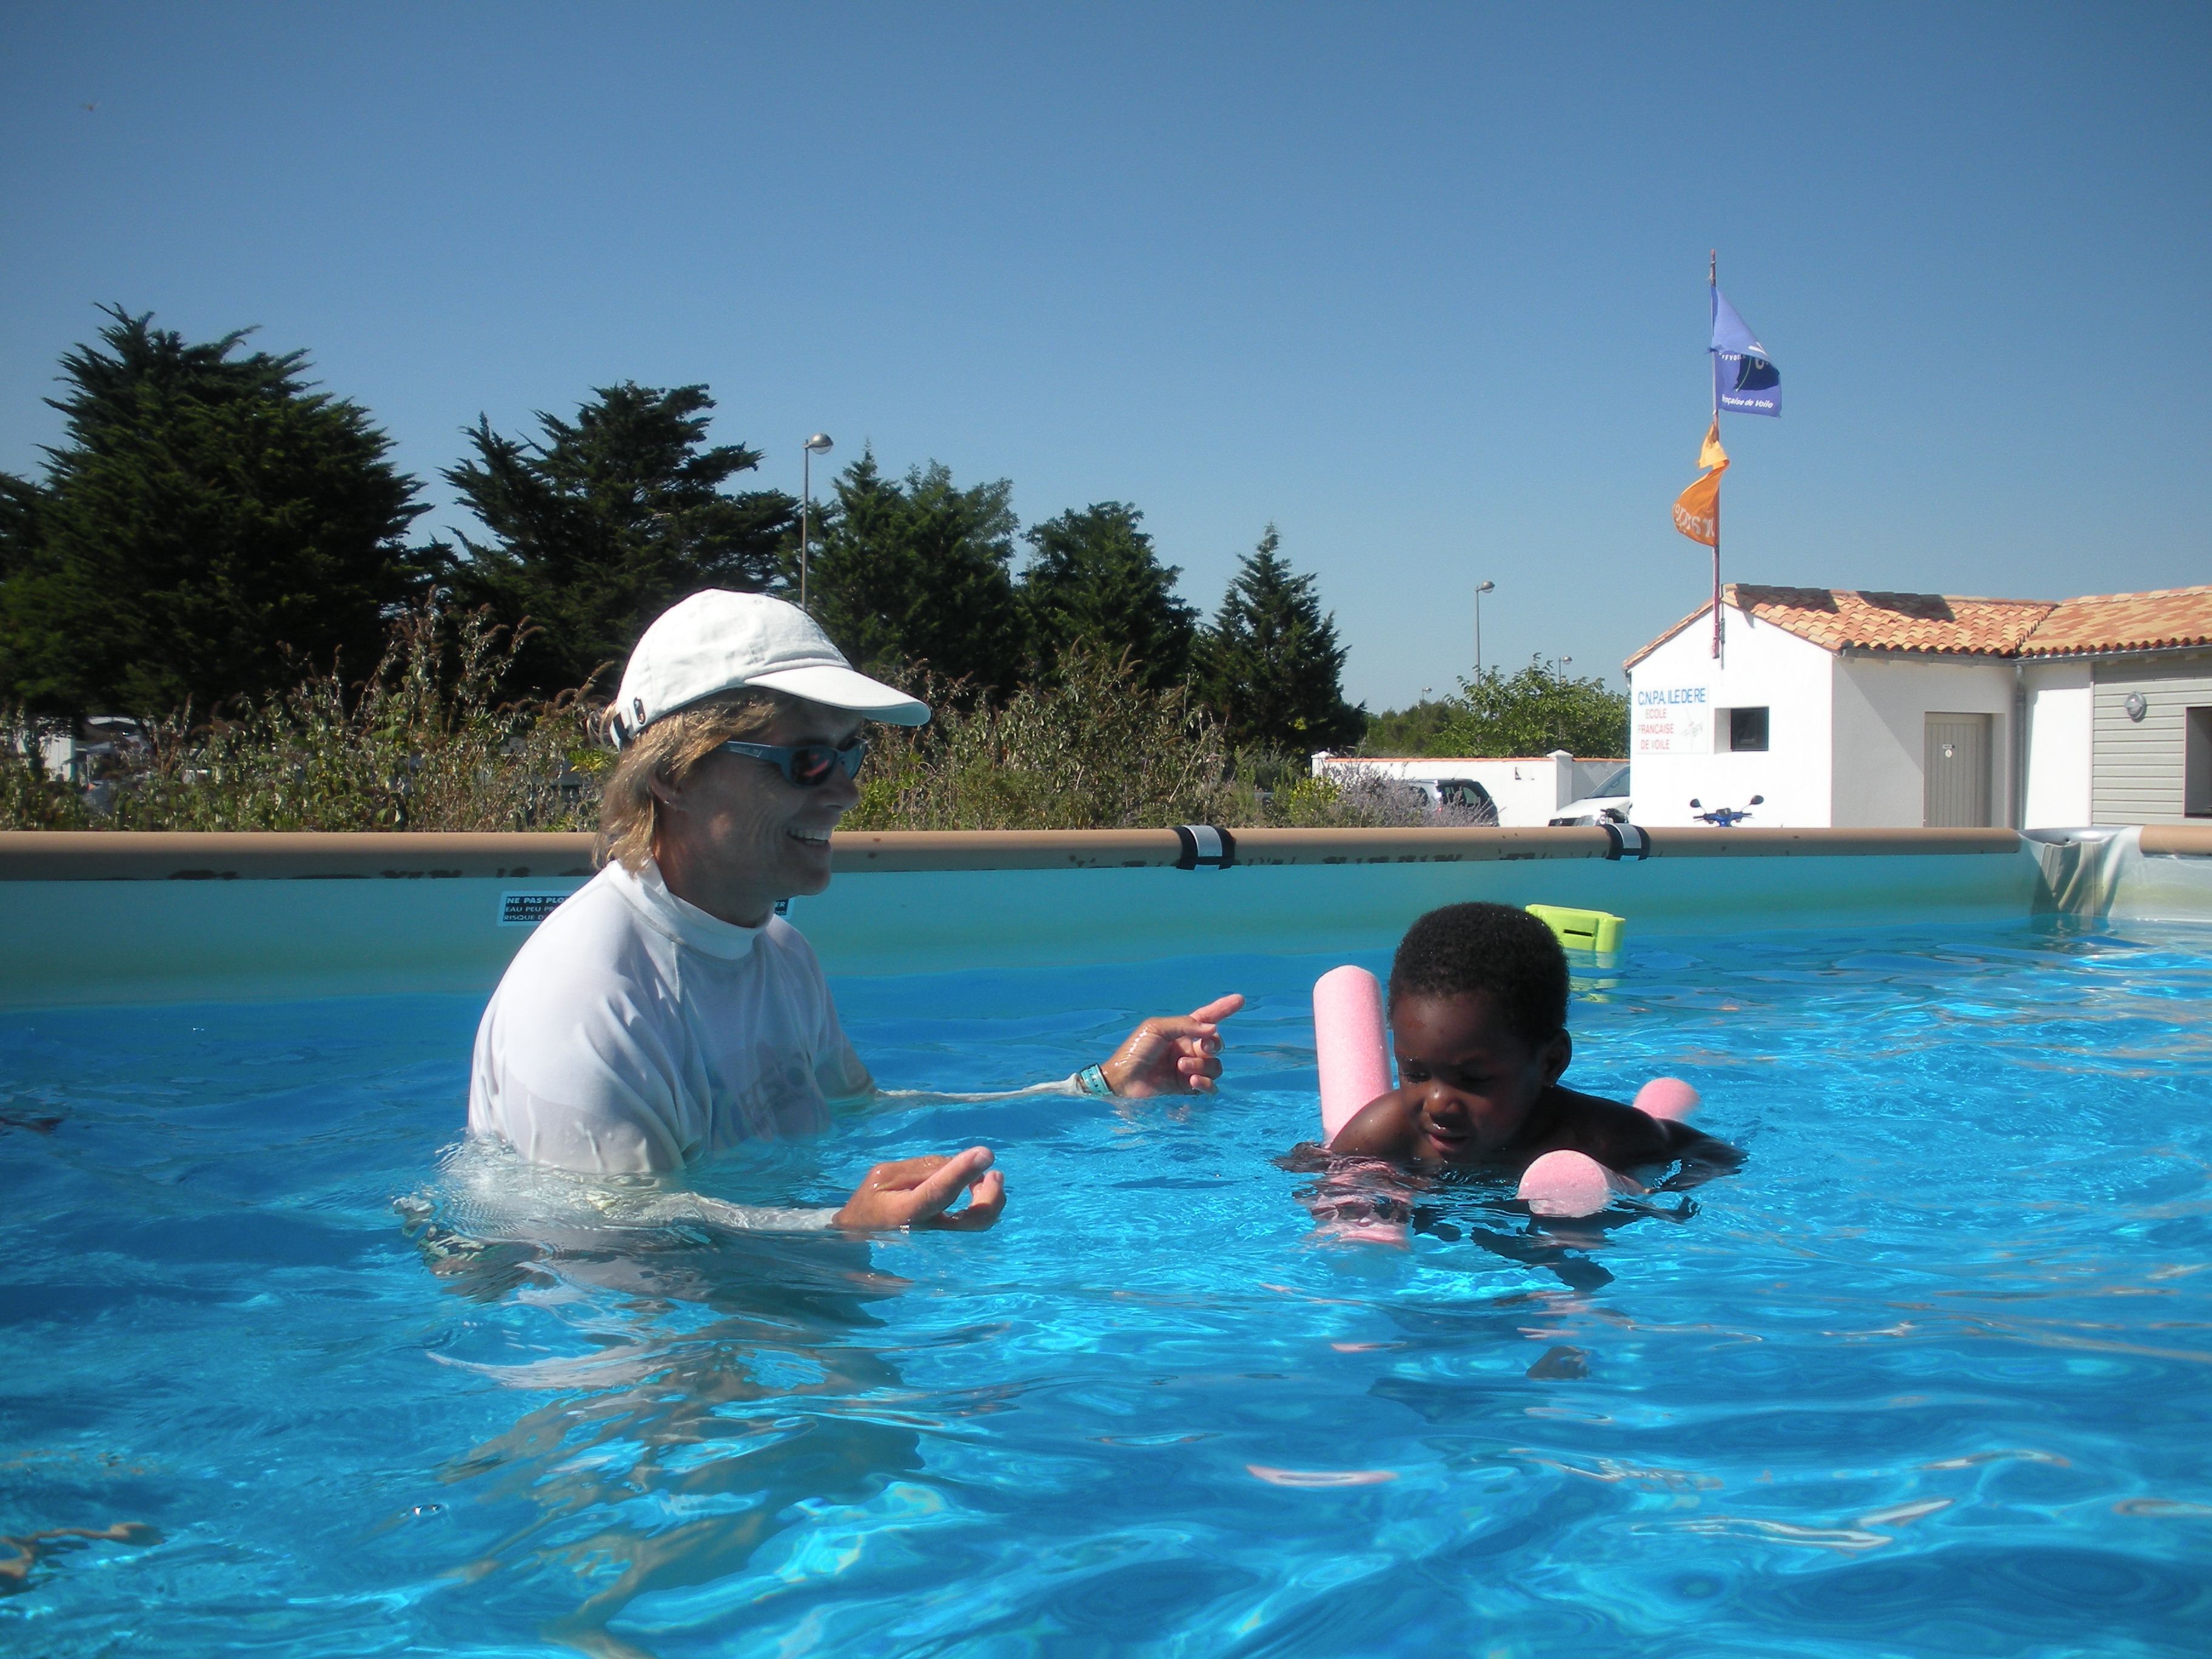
1478 1021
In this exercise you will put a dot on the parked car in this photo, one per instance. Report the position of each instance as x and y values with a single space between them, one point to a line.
1610 803
1443 802
1458 800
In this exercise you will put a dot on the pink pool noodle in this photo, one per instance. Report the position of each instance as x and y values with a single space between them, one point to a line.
1667 1098
1570 1184
1355 1066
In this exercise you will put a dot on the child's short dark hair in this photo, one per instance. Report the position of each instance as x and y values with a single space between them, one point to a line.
1506 954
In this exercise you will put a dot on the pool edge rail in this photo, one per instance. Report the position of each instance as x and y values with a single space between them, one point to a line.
157 855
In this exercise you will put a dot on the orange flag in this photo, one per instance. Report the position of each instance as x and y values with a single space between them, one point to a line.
1698 509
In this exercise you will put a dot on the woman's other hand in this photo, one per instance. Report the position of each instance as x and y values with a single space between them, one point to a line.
919 1192
1173 1056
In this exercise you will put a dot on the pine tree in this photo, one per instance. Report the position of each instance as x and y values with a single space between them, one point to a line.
23 513
210 526
1270 666
1095 584
603 522
916 571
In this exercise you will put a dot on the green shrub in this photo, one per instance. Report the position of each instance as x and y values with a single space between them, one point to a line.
1532 711
1092 749
30 797
426 743
423 744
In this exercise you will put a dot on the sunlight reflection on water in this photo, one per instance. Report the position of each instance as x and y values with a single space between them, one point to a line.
1931 1376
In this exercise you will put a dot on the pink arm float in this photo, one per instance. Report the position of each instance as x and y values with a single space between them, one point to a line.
1355 1068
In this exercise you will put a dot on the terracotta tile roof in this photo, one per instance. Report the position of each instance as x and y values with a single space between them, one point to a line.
1838 619
2124 621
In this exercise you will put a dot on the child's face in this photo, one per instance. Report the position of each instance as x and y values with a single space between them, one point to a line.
1472 1082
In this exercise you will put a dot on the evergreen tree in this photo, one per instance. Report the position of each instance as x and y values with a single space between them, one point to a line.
23 513
209 524
1096 583
916 572
1270 666
605 521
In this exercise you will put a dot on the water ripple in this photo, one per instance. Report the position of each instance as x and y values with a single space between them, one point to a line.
1928 1376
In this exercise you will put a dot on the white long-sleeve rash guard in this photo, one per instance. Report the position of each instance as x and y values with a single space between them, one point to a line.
635 1034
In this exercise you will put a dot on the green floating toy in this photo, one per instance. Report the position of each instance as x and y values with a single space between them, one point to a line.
1581 930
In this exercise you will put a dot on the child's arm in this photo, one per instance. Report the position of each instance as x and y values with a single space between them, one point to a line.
1383 1127
1623 1139
1703 1157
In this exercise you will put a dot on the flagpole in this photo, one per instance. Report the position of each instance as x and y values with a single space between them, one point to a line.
1713 281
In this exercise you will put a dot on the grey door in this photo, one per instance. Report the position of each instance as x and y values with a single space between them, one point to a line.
1957 772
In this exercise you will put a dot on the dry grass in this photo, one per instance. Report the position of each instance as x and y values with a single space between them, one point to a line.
1091 749
426 743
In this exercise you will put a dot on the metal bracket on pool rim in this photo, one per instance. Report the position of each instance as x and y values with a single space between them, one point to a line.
1204 845
1626 841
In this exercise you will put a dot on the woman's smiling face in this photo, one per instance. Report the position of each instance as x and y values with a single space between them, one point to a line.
1471 1082
736 835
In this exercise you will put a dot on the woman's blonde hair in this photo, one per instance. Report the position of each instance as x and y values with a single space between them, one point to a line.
668 751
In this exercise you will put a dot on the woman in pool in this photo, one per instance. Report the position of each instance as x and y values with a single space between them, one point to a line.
664 1012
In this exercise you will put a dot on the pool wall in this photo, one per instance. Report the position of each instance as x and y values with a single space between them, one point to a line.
116 917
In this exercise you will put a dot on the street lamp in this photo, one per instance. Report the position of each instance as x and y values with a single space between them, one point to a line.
819 443
1480 589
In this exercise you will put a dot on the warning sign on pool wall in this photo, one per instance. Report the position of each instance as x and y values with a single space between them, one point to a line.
527 910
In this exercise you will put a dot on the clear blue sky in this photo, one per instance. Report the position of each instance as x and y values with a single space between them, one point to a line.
1422 284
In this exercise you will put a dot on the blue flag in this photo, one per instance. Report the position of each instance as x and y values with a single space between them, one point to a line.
1744 377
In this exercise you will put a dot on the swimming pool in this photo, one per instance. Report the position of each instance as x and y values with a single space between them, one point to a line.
1929 1377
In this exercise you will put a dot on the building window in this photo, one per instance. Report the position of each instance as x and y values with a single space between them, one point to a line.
1746 729
2197 764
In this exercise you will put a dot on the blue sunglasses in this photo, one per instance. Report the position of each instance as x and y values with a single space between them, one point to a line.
808 766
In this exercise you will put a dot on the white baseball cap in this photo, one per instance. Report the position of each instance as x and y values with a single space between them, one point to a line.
718 640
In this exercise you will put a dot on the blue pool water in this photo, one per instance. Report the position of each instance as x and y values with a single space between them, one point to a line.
1929 1377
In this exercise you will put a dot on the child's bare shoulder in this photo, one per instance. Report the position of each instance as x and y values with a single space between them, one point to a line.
1619 1136
1615 1134
1383 1127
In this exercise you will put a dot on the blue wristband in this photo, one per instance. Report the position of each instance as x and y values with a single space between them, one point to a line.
1091 1079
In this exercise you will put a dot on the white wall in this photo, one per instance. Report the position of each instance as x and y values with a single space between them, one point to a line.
2060 716
1679 750
1528 789
1882 704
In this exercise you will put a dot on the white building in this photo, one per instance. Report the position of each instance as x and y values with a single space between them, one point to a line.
1893 710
